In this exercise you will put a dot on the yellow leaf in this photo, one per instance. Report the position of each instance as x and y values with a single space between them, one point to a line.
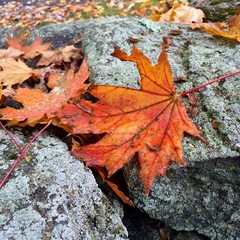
14 71
10 53
231 31
183 14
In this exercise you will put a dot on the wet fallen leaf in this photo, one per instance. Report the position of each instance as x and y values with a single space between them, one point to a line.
150 121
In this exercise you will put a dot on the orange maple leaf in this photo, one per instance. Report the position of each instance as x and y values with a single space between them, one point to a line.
30 51
40 107
150 121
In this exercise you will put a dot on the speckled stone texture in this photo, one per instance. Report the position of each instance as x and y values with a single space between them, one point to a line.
52 196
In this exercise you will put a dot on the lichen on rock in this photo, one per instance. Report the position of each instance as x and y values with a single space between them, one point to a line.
54 196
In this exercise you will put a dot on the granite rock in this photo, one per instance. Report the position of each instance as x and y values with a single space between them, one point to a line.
52 196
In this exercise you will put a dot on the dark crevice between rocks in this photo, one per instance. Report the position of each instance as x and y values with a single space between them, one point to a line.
140 226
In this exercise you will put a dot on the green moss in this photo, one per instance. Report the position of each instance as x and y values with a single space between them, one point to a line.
85 15
219 10
72 15
12 155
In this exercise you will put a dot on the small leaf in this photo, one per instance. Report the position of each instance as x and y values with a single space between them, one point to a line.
14 71
10 53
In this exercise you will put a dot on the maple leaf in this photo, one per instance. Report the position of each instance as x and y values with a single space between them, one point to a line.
66 54
116 182
230 30
31 51
14 71
39 107
150 121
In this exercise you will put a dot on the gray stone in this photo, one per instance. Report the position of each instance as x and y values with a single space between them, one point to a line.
60 35
52 196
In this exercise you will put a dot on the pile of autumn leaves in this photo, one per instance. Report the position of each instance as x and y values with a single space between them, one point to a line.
42 88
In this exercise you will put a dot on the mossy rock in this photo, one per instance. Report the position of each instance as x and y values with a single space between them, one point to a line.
217 10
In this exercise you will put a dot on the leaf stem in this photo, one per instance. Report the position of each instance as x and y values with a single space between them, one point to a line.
22 154
208 83
12 138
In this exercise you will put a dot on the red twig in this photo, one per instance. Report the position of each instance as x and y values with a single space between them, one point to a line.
208 83
12 138
22 154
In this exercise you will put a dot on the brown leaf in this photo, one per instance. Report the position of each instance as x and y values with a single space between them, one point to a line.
114 183
70 52
175 32
134 40
230 30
